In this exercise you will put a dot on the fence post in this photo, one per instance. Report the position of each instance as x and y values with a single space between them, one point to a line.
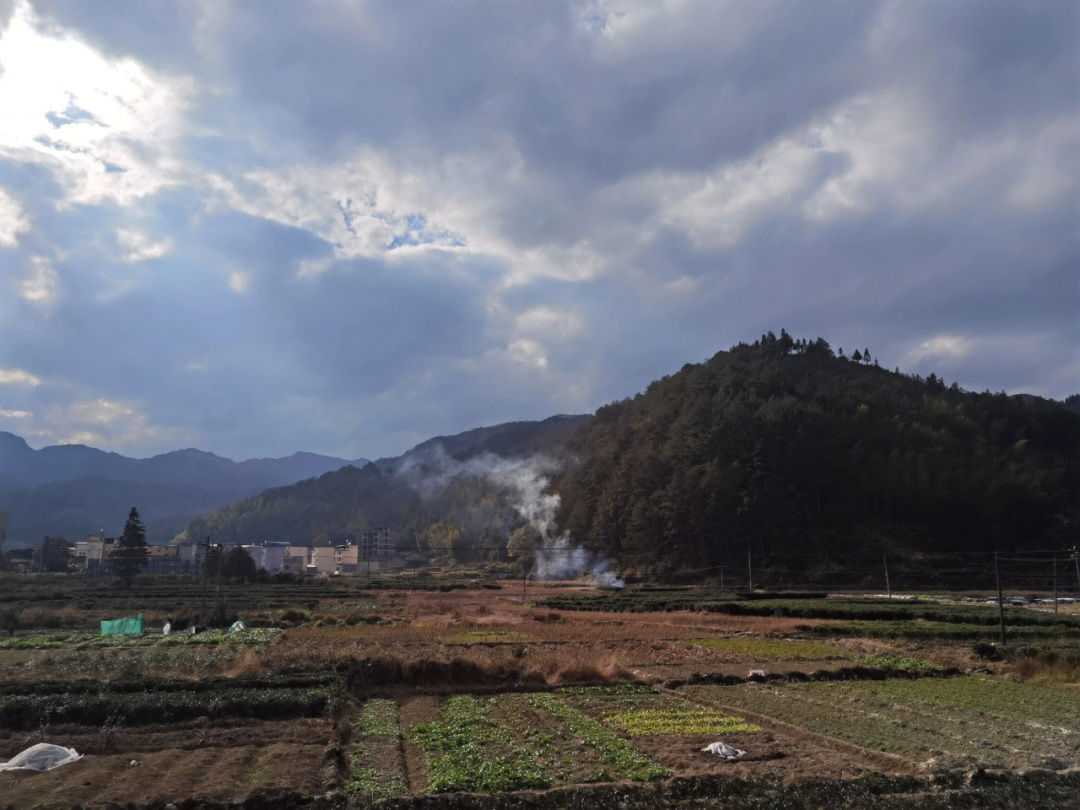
749 572
888 587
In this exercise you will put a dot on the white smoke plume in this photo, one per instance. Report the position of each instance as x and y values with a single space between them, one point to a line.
527 479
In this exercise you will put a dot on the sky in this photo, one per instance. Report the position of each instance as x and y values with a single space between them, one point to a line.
345 227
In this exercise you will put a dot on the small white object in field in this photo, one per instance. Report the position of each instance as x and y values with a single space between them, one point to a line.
723 750
41 757
757 673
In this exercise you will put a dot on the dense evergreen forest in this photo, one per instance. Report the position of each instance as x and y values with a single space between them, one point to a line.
780 446
784 446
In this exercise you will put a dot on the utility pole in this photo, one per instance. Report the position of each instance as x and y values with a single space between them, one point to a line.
749 571
206 560
888 587
1055 583
1001 600
1076 559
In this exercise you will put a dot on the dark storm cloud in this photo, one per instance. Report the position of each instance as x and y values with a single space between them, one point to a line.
347 226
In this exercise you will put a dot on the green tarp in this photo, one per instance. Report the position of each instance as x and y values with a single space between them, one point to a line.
123 627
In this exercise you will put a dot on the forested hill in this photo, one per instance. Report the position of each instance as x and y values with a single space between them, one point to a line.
782 446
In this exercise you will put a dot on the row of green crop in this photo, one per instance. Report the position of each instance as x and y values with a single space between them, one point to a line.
634 601
948 631
467 751
611 748
882 610
640 600
379 723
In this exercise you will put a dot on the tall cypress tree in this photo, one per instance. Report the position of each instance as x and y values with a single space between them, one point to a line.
130 555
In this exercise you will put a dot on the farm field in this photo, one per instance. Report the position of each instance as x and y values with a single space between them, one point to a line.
364 696
962 721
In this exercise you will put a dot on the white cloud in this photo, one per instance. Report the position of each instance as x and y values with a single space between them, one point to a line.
41 285
13 220
105 422
101 411
527 352
951 347
138 247
948 348
18 376
818 171
103 126
872 151
385 204
239 281
628 29
11 413
550 322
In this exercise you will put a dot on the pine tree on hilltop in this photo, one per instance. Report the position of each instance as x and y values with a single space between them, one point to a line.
130 555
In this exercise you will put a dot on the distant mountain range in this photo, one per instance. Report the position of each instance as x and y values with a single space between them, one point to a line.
73 490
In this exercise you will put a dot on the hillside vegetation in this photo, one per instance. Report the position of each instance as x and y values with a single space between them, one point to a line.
426 506
782 446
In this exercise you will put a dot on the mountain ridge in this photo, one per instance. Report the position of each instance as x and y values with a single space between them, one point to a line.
73 490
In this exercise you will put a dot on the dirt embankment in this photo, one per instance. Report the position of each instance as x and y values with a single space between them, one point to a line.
987 791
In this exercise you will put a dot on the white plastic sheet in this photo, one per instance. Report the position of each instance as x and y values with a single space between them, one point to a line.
41 757
722 750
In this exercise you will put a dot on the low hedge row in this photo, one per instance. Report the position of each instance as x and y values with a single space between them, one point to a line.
83 686
24 712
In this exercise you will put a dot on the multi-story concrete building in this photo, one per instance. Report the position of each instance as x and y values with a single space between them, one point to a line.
376 543
92 554
274 556
257 554
346 558
296 559
165 560
190 557
322 560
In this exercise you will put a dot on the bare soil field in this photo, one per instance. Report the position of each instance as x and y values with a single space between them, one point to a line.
223 774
